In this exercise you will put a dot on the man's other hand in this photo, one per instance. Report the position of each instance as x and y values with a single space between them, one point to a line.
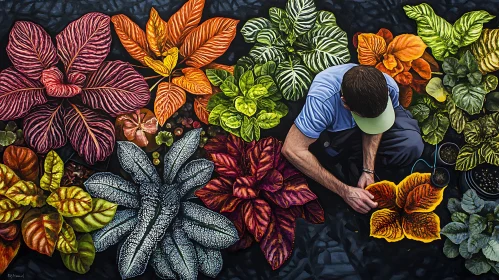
365 180
359 199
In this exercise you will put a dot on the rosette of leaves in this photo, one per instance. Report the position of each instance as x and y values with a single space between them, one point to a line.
139 127
303 42
473 233
249 100
50 213
160 227
432 117
406 209
445 39
66 105
261 192
177 49
403 58
9 134
482 143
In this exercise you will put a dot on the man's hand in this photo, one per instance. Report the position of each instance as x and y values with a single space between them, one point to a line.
365 180
359 199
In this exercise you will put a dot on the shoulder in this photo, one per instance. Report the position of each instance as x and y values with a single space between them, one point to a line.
327 84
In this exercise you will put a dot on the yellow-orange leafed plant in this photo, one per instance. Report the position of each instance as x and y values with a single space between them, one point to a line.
403 58
406 209
179 42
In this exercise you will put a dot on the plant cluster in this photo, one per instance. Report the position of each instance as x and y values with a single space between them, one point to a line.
44 228
10 135
160 227
473 233
139 127
249 100
406 209
301 40
261 192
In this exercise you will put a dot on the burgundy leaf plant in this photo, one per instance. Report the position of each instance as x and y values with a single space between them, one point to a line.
72 103
261 192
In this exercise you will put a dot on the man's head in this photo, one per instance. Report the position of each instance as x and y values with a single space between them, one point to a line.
364 91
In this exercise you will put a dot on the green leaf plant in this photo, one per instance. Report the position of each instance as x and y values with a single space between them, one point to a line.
473 233
303 42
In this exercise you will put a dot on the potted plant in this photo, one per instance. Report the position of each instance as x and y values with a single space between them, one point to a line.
483 179
440 177
447 153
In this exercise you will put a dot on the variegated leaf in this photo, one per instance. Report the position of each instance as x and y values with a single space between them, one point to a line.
114 189
123 223
44 127
135 161
210 260
160 264
101 214
302 14
179 153
81 260
293 79
70 201
53 171
66 242
180 252
195 173
26 193
252 27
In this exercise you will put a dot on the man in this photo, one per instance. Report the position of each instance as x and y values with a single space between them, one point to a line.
356 110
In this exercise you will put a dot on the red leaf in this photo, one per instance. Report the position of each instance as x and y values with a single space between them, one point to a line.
9 231
262 157
18 94
244 242
294 192
355 39
277 243
404 78
386 34
22 161
8 250
90 134
256 214
84 44
272 182
215 194
237 219
313 212
44 128
116 88
30 49
235 146
53 80
287 169
217 144
226 165
405 96
244 187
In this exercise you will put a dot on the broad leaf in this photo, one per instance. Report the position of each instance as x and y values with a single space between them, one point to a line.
157 33
456 232
184 21
200 108
492 101
9 231
302 14
468 27
456 116
195 173
26 193
53 171
247 81
490 151
469 98
420 112
252 27
216 76
66 241
463 250
293 193
454 205
436 89
476 242
469 157
434 128
11 211
8 250
245 105
70 201
281 227
7 178
486 50
229 87
160 264
41 230
451 250
477 265
490 82
81 261
262 53
257 215
209 260
101 214
491 250
268 120
471 203
113 189
460 217
136 162
194 81
169 98
179 153
123 223
293 79
53 80
276 15
44 127
22 161
131 36
180 253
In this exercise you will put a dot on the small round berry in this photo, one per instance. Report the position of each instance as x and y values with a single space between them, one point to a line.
178 131
155 155
156 161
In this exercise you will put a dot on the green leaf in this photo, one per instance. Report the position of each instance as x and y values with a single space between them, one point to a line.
435 31
436 89
277 15
459 217
468 28
217 76
246 106
230 119
164 137
229 88
325 18
463 250
492 101
66 242
247 81
474 134
486 50
293 79
266 104
281 109
11 126
245 63
477 265
268 120
451 250
248 129
434 128
476 242
252 27
54 169
469 98
7 138
491 251
101 214
451 66
257 91
454 205
490 82
270 37
420 112
214 117
456 232
262 53
81 261
217 99
490 151
471 202
469 157
450 80
469 61
267 69
475 78
268 83
302 14
456 116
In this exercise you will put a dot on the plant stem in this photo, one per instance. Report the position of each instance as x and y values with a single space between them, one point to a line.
152 77
153 86
139 66
437 73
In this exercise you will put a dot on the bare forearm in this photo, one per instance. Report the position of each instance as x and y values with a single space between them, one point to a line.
370 144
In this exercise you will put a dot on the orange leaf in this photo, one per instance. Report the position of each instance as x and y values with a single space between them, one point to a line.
406 47
8 250
184 21
41 230
7 178
418 84
389 61
169 98
407 65
422 67
404 78
157 33
11 211
423 227
208 41
381 67
385 223
131 36
193 81
405 96
423 198
384 193
433 63
386 34
227 68
23 161
371 48
408 184
200 104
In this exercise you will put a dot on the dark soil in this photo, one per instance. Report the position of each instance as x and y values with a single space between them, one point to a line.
449 154
440 177
487 179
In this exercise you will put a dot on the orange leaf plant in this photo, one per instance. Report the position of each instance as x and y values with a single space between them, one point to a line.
406 209
403 58
176 49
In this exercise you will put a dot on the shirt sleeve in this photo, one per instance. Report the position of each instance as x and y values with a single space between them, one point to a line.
393 90
314 118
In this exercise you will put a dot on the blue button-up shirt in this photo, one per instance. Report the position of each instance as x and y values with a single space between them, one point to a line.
324 109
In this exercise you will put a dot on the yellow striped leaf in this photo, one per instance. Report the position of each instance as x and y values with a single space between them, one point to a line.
11 211
71 201
40 230
66 242
54 170
102 213
7 178
486 50
157 33
26 193
81 261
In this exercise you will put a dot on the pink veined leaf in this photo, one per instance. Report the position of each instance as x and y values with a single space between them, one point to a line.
256 214
294 192
30 49
272 182
287 169
18 94
313 212
244 187
76 78
235 146
226 165
262 157
90 134
217 144
53 79
116 88
44 127
84 44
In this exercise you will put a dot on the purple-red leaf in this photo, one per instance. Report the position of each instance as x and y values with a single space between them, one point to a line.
18 94
90 134
313 212
84 44
272 182
217 144
256 215
53 79
30 49
244 242
235 146
226 165
44 127
262 157
277 243
116 88
244 187
294 192
215 194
